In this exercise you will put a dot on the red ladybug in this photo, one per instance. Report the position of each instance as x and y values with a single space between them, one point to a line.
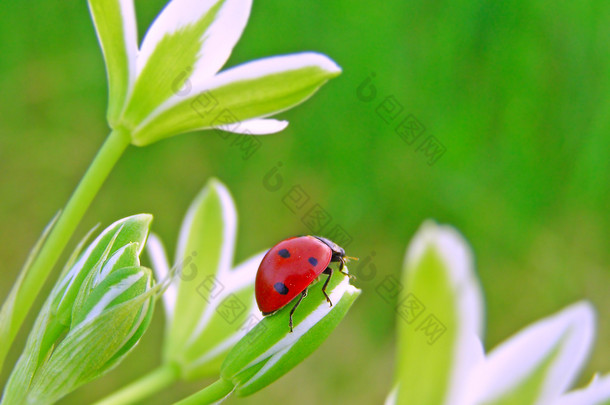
290 267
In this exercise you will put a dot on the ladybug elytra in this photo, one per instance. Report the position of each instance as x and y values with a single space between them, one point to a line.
290 267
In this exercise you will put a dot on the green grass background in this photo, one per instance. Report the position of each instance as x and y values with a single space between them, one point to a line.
517 92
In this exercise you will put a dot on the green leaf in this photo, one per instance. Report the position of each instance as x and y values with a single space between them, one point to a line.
115 25
76 252
270 350
256 89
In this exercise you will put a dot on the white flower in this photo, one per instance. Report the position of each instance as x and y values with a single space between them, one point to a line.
443 361
172 84
210 304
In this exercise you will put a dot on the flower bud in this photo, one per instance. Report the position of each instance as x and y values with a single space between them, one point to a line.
93 317
109 324
132 229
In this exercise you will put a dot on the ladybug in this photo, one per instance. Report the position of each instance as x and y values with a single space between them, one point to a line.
290 267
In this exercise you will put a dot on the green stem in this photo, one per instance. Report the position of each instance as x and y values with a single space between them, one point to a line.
37 273
143 387
210 394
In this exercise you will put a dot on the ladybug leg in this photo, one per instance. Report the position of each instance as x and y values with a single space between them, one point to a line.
328 271
341 265
303 295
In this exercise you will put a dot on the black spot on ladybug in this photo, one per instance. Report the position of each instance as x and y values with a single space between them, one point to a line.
284 253
313 261
281 288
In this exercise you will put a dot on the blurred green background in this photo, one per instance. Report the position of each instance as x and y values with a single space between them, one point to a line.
515 91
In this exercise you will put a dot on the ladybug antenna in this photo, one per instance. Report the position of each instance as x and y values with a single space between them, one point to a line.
351 258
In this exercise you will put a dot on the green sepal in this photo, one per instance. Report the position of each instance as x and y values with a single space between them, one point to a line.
6 313
114 22
428 287
199 257
270 350
176 53
234 102
119 286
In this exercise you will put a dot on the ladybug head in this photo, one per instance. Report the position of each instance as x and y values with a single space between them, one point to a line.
338 251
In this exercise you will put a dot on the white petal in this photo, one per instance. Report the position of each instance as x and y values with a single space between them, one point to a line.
247 71
217 41
233 281
265 67
570 332
256 126
160 266
245 272
229 221
70 278
130 32
596 393
112 262
131 36
113 292
456 254
472 347
252 70
392 397
229 342
229 215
